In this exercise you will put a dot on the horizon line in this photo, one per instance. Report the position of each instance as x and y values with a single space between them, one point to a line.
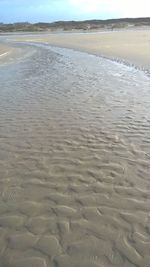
50 22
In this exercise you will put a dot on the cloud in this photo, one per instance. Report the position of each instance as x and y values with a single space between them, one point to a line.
122 8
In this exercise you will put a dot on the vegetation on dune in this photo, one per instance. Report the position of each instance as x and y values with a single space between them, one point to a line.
75 25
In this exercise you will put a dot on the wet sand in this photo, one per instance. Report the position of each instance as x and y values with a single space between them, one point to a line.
74 161
133 46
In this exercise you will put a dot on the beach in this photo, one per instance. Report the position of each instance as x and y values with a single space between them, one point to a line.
75 151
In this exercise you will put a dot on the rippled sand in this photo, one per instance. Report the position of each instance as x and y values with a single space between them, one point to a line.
74 161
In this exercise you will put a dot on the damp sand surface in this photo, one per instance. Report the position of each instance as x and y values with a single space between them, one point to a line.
74 161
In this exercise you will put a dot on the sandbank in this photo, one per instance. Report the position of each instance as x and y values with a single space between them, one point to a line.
132 46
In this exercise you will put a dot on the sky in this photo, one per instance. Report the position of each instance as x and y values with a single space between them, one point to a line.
54 10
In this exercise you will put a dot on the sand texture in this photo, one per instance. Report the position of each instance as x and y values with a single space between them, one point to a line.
74 161
132 46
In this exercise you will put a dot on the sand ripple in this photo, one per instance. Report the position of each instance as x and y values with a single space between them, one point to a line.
74 162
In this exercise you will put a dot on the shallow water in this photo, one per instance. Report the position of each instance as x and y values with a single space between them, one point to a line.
74 161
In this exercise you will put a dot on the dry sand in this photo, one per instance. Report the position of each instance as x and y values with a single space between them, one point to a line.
132 46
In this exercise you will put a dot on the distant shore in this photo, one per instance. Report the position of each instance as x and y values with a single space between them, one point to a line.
85 25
